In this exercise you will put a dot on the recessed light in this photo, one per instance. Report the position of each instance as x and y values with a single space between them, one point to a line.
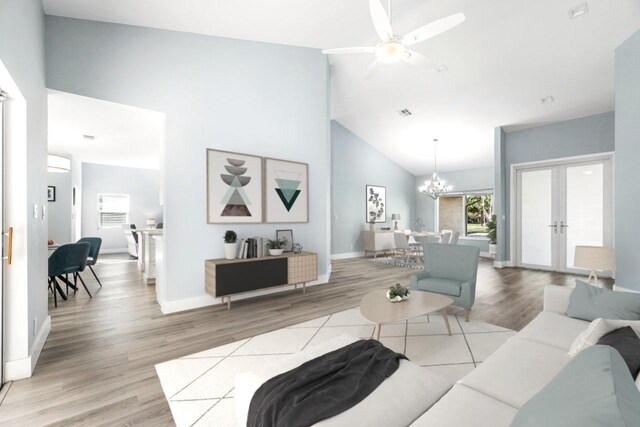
442 69
405 112
547 99
578 11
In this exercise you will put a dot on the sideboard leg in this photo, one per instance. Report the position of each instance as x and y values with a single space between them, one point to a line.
228 303
304 287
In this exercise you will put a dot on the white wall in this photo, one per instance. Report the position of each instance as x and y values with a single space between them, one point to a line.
142 186
59 212
22 76
250 97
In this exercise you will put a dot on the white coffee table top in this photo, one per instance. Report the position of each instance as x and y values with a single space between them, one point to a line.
377 308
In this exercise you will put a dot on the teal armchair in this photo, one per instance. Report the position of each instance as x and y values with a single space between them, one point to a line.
449 270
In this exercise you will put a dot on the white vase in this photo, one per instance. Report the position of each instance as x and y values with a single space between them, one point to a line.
275 252
230 250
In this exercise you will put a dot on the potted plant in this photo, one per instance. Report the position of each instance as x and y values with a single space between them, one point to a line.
398 293
230 244
276 247
491 225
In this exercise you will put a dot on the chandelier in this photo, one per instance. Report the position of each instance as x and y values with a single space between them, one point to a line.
435 187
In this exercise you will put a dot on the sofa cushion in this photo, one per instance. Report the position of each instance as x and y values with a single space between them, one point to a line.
627 343
411 387
588 303
596 330
594 389
517 371
554 329
440 286
463 406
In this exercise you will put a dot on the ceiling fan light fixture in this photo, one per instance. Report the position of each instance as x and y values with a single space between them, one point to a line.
390 52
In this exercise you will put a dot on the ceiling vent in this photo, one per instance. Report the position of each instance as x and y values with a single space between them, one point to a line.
405 113
89 138
547 99
578 11
442 69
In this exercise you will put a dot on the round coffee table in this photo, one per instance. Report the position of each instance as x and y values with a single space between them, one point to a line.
377 308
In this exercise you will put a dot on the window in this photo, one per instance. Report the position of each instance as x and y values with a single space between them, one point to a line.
466 212
113 210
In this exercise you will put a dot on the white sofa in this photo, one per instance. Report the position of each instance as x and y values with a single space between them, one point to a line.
492 393
489 396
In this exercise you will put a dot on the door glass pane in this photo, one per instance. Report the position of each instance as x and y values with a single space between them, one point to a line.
535 218
585 208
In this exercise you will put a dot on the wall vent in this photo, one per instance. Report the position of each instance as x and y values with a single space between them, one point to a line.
405 113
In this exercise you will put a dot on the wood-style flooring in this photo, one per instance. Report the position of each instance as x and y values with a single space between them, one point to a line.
97 366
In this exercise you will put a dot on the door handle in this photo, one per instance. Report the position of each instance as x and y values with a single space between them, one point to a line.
9 235
555 227
562 226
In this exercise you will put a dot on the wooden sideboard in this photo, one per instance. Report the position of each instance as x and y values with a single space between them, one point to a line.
226 277
378 241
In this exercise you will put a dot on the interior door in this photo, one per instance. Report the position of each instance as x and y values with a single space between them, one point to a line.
2 98
560 207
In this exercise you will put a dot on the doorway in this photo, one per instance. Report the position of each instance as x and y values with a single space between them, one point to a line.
2 99
561 205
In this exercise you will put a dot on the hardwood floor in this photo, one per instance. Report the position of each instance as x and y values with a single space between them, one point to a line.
97 366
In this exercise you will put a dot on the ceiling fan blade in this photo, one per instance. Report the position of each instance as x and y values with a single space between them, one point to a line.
380 20
418 59
433 29
372 70
349 50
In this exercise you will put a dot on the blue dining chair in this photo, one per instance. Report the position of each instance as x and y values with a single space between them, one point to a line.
94 252
68 259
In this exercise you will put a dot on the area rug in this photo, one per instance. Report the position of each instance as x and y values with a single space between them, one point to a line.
418 265
199 387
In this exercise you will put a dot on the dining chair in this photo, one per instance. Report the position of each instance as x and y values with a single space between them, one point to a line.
445 236
94 252
67 259
402 247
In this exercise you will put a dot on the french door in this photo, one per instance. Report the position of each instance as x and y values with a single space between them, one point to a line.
559 207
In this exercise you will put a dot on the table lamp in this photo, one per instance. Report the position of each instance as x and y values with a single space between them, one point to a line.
595 258
396 218
151 222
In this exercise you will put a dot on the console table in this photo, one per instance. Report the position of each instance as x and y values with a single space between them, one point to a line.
226 277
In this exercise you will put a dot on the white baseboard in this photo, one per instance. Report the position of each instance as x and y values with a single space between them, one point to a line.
502 264
347 255
205 300
23 368
620 288
114 251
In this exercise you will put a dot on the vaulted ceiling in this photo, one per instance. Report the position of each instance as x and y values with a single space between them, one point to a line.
506 57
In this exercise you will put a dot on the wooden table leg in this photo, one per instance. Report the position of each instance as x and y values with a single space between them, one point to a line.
446 319
376 332
228 303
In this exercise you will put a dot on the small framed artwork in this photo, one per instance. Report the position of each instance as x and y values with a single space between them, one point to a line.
51 193
376 203
286 187
234 188
288 236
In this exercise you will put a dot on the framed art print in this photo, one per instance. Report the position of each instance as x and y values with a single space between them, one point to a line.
286 187
51 193
234 188
287 235
376 203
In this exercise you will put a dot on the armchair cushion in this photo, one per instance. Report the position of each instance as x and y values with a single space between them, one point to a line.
441 286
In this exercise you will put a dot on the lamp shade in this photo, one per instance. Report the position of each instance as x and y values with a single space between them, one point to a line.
151 222
58 164
395 217
595 258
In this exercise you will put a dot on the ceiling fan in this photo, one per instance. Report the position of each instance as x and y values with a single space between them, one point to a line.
392 48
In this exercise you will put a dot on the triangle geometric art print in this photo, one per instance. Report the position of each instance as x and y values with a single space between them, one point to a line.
286 189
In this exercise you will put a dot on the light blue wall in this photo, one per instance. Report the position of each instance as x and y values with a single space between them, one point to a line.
627 175
59 212
142 186
355 164
250 97
462 180
22 54
587 135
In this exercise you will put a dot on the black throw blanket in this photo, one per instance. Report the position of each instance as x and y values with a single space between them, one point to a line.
322 387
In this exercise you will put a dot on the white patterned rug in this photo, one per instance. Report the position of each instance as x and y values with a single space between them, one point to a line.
199 387
398 262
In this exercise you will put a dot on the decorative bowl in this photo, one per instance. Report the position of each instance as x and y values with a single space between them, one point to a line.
397 298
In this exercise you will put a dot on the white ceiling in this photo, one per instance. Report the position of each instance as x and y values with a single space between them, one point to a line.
501 62
125 136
